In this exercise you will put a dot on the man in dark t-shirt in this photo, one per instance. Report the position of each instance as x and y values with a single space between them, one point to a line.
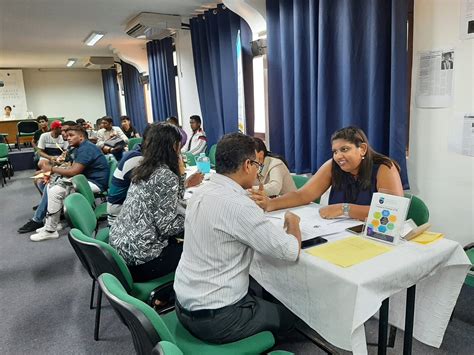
43 128
89 161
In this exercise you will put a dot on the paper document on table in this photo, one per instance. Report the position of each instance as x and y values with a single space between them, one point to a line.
349 251
427 237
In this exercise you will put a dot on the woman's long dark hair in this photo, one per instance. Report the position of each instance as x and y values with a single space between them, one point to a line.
357 136
260 146
159 148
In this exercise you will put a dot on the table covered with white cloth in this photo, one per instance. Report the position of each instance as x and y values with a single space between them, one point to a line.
337 301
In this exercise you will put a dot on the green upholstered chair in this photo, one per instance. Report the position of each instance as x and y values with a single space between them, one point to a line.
470 254
6 167
4 139
190 159
418 210
166 348
148 327
300 181
212 155
82 186
102 258
80 215
132 142
25 129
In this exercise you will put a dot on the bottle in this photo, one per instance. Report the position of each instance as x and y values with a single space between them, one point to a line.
203 163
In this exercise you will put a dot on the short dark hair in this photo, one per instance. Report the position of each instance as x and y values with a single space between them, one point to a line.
9 107
41 118
69 123
173 120
80 121
78 129
195 118
108 119
123 118
232 151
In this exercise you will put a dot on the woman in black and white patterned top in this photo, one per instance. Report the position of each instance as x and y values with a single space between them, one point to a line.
145 230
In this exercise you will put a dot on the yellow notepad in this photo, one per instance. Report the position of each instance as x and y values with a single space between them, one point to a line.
427 237
349 251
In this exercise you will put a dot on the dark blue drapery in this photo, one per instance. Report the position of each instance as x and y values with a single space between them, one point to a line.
334 63
134 97
214 36
162 79
111 94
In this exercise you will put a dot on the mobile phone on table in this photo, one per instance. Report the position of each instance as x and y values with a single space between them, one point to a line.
312 242
356 229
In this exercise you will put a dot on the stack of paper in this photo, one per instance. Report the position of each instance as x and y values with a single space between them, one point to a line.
349 251
427 237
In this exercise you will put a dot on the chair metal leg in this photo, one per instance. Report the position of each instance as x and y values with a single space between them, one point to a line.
383 327
409 318
91 306
97 314
391 337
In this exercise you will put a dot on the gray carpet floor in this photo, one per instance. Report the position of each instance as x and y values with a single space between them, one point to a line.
44 297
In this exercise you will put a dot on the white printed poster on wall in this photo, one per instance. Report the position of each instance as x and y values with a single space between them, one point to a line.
435 79
466 23
461 139
12 92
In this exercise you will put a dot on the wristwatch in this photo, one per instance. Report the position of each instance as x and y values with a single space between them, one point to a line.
346 209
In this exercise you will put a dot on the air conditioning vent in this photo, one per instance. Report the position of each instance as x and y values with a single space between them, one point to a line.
99 63
148 25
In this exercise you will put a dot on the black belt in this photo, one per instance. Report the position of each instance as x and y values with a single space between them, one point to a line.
201 313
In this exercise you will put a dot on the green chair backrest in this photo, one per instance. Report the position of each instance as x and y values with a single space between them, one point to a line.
82 186
52 119
190 159
145 324
80 214
418 210
27 128
212 154
112 166
470 276
300 181
102 257
132 142
3 150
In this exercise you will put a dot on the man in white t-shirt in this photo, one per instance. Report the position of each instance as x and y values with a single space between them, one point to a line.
51 145
108 131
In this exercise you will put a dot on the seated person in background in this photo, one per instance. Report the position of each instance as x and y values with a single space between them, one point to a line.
174 121
198 142
107 134
274 176
91 133
354 173
43 128
127 127
7 113
36 223
89 161
223 228
51 145
144 233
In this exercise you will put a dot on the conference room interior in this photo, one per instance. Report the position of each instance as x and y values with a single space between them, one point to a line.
289 72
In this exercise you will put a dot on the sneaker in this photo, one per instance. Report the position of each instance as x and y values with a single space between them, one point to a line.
30 226
44 235
58 228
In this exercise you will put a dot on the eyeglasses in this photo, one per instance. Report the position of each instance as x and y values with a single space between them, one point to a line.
259 166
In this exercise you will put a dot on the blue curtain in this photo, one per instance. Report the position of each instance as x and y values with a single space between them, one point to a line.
334 63
214 36
134 97
162 79
111 94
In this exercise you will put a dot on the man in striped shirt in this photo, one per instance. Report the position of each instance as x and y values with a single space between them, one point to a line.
223 228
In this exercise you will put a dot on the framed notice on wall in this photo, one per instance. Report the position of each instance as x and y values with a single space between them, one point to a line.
12 92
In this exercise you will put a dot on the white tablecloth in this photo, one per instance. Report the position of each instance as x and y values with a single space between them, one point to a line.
336 301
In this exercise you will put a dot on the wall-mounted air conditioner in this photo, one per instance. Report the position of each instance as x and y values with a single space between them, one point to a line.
99 62
148 25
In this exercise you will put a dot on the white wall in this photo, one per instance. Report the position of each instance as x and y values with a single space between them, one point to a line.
444 180
65 93
187 80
